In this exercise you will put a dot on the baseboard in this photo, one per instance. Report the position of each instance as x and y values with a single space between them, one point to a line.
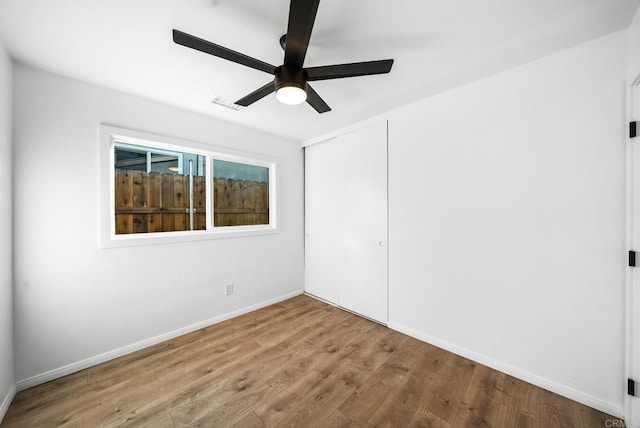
547 384
6 402
313 296
128 349
345 309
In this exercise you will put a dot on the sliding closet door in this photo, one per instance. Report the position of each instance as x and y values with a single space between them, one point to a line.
362 265
321 216
346 221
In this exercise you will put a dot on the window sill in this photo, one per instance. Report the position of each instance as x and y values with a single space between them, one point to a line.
141 239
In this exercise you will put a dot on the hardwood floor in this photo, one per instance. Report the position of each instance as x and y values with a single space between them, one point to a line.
300 363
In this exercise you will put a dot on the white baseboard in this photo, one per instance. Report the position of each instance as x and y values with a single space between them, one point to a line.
6 402
547 384
110 355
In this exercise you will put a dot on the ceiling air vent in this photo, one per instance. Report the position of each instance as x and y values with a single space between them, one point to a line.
226 103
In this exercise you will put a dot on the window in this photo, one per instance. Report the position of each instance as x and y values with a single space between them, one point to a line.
241 194
159 189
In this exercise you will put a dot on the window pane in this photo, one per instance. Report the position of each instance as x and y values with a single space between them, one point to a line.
241 194
131 159
153 191
165 164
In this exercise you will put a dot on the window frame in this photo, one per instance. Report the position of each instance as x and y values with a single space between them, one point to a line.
110 135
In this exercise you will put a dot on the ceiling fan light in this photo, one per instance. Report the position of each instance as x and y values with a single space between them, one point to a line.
291 95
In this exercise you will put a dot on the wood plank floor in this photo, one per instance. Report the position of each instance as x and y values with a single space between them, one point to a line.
300 363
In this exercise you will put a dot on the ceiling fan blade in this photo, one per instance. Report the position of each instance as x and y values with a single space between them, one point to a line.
316 102
257 94
201 45
302 15
353 69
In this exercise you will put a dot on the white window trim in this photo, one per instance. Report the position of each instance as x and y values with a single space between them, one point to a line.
108 238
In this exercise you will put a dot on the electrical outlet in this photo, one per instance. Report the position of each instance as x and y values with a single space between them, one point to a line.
229 289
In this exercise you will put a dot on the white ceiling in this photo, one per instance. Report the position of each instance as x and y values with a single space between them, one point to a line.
437 45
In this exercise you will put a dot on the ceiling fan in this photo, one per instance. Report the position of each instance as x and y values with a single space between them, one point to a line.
290 79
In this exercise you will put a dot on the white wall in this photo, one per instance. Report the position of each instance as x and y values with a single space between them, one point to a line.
75 301
634 47
506 208
7 387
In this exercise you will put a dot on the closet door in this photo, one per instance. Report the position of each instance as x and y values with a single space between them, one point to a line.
321 216
362 265
346 209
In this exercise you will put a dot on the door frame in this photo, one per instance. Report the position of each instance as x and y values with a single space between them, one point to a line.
632 277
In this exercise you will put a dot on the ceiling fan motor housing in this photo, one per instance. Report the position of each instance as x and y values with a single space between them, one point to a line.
291 76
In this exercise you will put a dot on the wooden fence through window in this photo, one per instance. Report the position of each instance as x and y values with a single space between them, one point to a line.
155 202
